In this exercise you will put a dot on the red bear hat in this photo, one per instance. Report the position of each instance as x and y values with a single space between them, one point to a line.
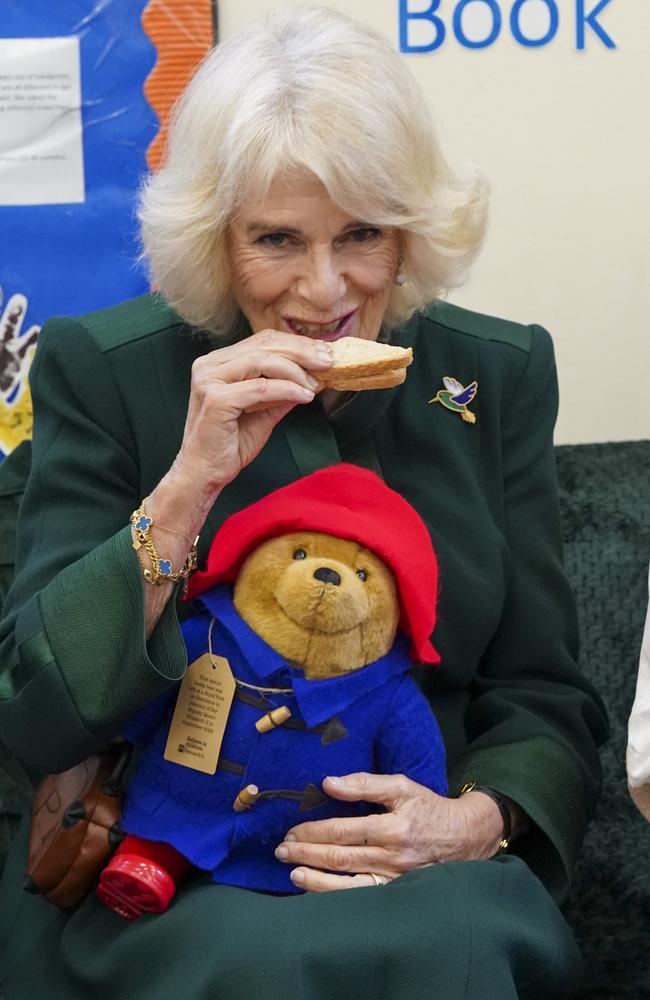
349 502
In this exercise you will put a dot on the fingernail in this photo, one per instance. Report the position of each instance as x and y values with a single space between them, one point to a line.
308 393
290 836
325 349
312 382
297 876
282 853
337 782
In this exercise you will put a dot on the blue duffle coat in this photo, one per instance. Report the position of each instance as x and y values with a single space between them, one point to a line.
378 721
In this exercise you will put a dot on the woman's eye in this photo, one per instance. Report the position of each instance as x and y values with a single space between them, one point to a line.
364 234
361 573
300 554
279 240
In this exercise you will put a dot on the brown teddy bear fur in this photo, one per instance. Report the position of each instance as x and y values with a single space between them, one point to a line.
324 628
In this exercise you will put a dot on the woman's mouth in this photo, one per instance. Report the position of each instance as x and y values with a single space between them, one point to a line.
322 331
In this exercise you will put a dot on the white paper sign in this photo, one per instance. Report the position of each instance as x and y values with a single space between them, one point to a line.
41 153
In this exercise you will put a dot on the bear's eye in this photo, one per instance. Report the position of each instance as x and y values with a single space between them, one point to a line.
300 554
361 573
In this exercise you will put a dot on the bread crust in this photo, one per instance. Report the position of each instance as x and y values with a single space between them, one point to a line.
383 380
365 364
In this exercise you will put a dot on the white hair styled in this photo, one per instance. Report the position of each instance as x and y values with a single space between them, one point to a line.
310 89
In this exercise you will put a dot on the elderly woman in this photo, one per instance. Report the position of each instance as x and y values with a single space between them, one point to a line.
305 198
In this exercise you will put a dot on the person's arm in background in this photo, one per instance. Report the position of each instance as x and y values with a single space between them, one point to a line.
638 745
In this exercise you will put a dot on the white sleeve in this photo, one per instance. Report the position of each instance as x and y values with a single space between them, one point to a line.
638 746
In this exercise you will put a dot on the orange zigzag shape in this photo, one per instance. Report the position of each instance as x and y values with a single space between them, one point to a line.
181 31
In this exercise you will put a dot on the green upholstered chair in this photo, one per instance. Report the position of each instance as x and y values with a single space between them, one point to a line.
605 497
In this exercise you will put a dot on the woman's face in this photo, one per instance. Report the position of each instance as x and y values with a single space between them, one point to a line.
303 265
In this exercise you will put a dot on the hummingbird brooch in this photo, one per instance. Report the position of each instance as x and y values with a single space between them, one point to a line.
455 397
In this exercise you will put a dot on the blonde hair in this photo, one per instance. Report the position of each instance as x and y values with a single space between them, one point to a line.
314 90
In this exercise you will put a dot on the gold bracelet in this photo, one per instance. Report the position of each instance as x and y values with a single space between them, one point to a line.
161 569
162 527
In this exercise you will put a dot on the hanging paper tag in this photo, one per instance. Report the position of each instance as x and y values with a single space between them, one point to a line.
201 714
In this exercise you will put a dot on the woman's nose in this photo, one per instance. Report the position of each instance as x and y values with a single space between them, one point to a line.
322 283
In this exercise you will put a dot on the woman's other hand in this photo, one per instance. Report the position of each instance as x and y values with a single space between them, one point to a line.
418 829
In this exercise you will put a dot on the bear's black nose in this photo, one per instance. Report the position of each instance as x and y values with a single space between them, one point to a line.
326 575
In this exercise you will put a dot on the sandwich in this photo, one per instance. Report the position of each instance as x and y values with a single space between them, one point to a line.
365 364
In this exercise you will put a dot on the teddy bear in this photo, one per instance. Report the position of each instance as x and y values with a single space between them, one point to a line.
316 600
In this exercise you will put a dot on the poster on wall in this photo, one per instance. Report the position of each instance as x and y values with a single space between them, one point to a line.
85 90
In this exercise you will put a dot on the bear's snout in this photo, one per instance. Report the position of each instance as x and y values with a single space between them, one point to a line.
327 575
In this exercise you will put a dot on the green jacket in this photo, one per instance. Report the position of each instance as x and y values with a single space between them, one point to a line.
16 787
110 393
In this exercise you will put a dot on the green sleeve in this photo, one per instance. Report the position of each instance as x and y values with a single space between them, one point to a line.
74 659
534 721
14 470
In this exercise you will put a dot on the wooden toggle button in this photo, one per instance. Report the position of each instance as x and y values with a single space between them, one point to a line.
246 798
273 719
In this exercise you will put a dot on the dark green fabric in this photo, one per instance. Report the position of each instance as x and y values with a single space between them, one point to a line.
16 784
388 943
515 711
16 789
311 439
15 468
605 501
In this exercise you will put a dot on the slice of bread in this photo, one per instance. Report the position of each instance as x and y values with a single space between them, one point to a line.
365 364
352 383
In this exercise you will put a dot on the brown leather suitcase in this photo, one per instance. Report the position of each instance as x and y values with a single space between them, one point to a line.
75 826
